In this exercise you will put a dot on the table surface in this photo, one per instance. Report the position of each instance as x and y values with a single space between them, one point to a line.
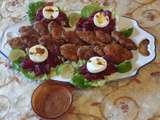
137 98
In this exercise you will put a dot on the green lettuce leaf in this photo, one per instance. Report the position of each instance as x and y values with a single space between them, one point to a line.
78 64
124 67
127 32
16 65
90 9
78 80
42 77
28 74
33 8
59 69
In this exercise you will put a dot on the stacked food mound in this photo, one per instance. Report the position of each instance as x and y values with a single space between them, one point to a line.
84 47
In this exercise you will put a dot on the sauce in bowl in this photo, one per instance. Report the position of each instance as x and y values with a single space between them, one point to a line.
51 100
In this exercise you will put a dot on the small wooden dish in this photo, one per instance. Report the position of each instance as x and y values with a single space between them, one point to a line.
50 100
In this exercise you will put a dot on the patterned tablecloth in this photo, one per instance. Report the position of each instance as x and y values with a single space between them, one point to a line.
137 98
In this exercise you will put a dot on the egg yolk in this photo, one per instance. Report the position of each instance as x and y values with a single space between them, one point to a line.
101 18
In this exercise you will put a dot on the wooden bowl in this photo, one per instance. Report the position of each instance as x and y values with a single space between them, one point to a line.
50 100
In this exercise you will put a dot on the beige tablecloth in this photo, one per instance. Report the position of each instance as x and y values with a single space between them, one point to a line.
137 98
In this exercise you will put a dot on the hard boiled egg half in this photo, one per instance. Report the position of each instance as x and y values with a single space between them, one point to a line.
38 53
96 64
50 12
101 19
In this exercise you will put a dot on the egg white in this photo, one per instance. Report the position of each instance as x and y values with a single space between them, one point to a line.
104 23
94 67
38 57
50 15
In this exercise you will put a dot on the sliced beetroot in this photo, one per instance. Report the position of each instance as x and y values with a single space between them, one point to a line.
89 76
83 70
88 24
55 50
38 70
53 61
108 13
54 56
39 15
41 68
111 68
27 64
61 19
49 4
98 76
47 68
111 26
80 22
85 25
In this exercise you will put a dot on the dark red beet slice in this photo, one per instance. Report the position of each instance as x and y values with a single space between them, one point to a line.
27 64
49 4
98 76
88 24
38 70
39 15
61 19
47 68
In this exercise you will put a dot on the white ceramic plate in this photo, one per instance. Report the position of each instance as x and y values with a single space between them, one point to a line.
122 23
